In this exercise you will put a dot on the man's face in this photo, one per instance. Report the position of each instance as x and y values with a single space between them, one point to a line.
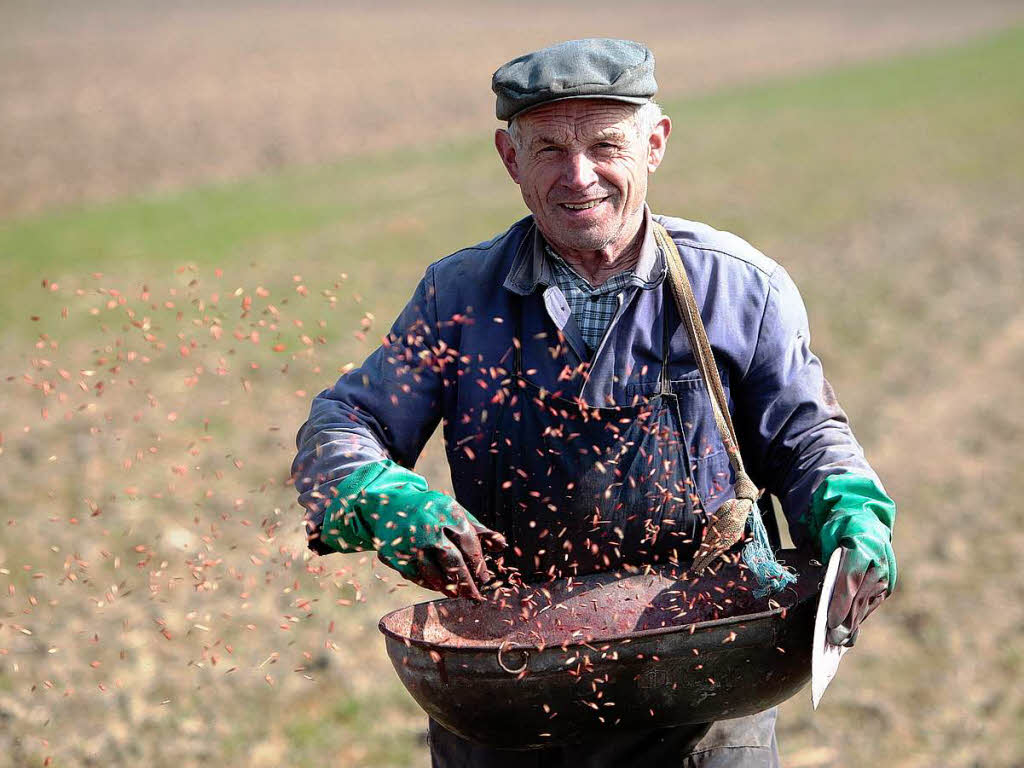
582 167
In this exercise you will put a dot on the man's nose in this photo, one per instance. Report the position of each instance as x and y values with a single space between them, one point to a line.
579 171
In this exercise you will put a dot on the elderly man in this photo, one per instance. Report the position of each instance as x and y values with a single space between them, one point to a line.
578 428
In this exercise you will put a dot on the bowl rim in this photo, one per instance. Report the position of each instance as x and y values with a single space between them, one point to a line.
642 634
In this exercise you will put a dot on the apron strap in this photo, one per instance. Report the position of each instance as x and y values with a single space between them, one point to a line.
517 335
666 351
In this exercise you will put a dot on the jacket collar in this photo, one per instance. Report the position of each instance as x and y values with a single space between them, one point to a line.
531 266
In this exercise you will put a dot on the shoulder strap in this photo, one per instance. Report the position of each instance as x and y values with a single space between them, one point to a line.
682 292
729 524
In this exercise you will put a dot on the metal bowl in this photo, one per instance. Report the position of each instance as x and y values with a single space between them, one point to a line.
554 663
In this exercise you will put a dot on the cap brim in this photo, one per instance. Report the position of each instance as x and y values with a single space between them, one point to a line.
625 99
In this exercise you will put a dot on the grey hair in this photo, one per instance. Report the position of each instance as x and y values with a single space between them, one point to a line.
644 118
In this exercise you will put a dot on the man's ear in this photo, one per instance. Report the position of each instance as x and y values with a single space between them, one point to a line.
507 152
657 143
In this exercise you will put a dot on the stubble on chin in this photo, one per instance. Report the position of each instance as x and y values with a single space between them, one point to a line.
582 240
607 236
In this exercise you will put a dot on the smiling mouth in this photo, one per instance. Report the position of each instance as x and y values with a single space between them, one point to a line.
582 206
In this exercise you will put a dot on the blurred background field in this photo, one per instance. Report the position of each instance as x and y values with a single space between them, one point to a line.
207 212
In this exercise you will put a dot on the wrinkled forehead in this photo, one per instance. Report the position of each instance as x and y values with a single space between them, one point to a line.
578 120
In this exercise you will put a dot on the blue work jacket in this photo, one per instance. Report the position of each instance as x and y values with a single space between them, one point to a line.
451 349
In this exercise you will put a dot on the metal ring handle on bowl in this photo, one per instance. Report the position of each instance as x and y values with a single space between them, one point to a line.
503 665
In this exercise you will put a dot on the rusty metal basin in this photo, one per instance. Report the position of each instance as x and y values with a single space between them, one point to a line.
553 663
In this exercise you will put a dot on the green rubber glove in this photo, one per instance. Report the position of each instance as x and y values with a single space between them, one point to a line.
424 535
853 512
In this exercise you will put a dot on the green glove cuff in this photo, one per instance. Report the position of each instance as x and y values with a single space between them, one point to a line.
854 511
389 508
344 528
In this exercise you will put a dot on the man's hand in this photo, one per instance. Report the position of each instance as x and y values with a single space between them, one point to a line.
453 562
858 591
423 534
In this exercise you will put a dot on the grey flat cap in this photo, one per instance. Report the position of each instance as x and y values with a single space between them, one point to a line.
596 68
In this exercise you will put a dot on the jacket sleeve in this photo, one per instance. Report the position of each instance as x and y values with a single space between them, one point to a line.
792 431
385 409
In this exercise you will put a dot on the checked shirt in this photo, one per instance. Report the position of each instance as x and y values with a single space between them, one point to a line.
592 308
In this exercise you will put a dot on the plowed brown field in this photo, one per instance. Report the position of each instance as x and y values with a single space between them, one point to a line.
159 605
107 98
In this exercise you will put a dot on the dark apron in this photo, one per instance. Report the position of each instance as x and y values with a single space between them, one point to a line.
578 489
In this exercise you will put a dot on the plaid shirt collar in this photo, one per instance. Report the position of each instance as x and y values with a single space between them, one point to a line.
533 267
568 279
592 308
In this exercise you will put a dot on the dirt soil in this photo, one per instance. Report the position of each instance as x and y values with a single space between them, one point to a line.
160 607
108 98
